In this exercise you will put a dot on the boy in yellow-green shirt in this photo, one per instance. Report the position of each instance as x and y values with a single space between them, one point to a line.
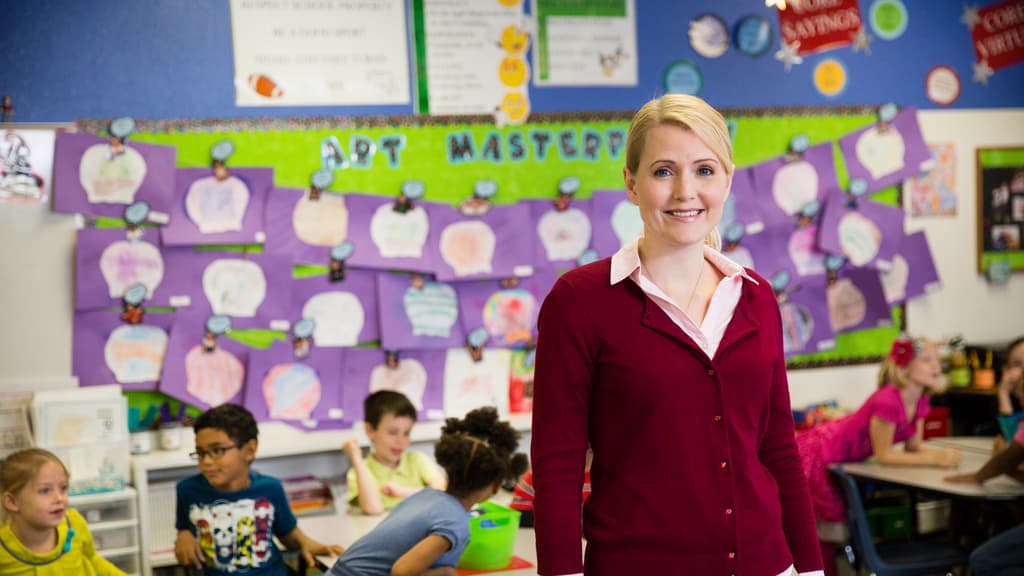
378 482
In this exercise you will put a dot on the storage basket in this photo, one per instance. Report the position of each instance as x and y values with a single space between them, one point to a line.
492 537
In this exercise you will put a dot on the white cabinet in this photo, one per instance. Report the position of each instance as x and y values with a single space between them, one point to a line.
113 520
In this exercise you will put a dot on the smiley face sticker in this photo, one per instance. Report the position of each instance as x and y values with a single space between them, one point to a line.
516 107
514 40
512 71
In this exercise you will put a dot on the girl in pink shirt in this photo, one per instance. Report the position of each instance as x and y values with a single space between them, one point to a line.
894 413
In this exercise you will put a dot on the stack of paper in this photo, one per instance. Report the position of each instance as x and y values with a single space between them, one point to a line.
87 428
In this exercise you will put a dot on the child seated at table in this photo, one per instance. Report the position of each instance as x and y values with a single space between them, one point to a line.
427 532
41 533
894 413
227 515
522 495
1011 381
379 482
1004 553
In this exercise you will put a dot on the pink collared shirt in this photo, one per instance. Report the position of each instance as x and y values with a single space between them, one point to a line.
626 264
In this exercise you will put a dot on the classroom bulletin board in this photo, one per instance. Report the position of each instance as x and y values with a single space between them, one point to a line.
375 155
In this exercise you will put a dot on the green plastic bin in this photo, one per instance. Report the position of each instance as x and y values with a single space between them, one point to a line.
890 522
490 546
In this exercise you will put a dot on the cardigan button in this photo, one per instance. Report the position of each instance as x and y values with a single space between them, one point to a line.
711 371
724 464
728 511
716 418
732 555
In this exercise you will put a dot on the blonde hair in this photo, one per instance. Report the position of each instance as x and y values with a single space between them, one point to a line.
21 468
890 373
689 113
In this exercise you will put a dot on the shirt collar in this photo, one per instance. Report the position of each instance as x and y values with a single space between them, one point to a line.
626 263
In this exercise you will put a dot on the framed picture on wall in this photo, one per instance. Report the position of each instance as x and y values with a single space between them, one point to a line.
26 161
1000 209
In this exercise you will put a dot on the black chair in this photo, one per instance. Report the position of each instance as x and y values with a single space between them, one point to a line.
912 558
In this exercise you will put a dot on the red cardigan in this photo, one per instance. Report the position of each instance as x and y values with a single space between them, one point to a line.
695 465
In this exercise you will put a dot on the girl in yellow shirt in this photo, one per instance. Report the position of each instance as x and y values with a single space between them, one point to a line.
40 534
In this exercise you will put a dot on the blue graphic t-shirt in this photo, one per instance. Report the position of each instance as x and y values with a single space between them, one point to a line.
236 530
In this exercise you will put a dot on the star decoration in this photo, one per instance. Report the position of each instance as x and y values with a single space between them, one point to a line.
788 55
982 71
781 4
970 17
862 41
500 118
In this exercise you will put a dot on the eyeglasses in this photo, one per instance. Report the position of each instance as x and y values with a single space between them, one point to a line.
215 452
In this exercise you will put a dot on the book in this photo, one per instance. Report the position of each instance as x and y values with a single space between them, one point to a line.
308 495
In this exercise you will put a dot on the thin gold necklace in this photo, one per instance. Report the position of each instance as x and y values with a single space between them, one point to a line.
696 285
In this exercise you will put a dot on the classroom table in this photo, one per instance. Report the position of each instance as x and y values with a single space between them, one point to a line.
974 450
344 528
978 444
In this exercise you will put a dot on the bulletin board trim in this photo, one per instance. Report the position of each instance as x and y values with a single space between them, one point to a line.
98 126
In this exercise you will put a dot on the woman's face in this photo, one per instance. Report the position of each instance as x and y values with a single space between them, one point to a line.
680 187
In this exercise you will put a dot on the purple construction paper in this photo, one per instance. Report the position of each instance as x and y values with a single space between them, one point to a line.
886 220
782 203
508 313
614 220
913 272
915 152
786 247
435 309
360 284
279 226
92 288
578 209
181 230
91 331
157 188
805 321
311 396
366 254
366 371
859 290
186 359
743 204
513 244
184 283
739 251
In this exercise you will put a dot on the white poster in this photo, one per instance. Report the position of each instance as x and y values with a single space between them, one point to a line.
26 164
320 52
475 56
470 384
585 45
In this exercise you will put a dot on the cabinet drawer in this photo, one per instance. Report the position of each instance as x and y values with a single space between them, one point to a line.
128 563
101 512
117 536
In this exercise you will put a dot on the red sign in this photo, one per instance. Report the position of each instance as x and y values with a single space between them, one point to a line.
998 34
820 25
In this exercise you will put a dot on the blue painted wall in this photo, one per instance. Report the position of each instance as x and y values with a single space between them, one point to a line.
62 60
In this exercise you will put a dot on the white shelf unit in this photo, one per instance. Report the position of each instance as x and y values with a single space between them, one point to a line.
284 452
113 519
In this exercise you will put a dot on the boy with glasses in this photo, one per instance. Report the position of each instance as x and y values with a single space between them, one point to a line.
227 515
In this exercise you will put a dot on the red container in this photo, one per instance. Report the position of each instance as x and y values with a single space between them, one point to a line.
937 422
